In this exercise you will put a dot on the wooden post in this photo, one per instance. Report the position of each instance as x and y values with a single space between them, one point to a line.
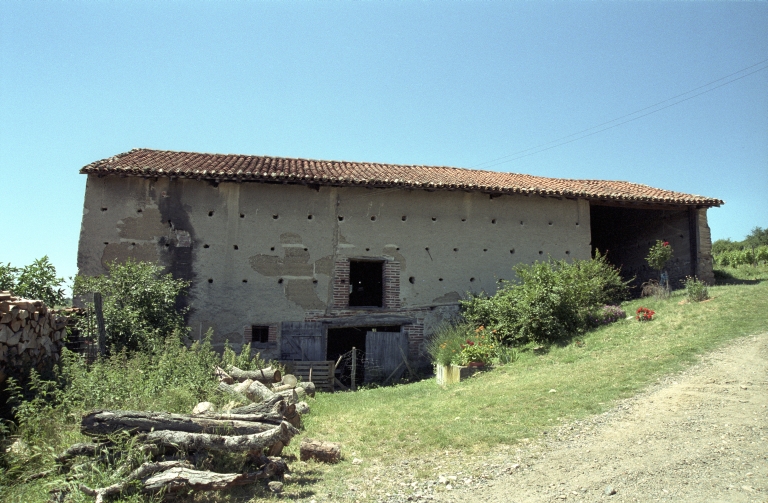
354 368
97 304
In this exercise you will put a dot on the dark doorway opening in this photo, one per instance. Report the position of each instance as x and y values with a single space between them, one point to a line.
627 233
367 279
342 340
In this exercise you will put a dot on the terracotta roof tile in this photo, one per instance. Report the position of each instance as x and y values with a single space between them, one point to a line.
223 167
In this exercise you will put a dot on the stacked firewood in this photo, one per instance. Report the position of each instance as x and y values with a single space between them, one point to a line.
31 334
179 444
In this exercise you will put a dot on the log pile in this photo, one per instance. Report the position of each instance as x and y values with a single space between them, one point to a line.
31 335
176 443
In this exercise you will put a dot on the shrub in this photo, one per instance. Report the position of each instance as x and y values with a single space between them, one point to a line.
551 301
37 280
695 290
659 255
139 305
446 342
606 315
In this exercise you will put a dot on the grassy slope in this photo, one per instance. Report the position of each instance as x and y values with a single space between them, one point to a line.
515 401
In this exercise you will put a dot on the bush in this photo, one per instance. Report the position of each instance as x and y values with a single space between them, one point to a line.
37 280
695 290
139 305
445 344
552 300
606 315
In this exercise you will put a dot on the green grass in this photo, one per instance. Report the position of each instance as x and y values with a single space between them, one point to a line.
510 403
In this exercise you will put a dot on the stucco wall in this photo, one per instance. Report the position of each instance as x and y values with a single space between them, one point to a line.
264 253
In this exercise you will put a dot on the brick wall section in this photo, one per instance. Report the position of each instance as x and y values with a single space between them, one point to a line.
391 285
415 334
340 284
272 335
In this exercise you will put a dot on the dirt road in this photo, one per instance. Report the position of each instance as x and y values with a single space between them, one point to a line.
698 436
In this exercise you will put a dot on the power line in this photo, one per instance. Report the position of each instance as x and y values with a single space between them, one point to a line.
538 148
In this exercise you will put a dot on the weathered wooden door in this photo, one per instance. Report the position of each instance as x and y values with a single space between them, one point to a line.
302 340
384 355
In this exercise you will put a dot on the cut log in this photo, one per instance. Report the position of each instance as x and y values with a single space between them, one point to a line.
81 450
203 408
185 479
144 471
308 386
226 388
289 379
258 392
104 422
290 396
241 387
275 404
302 408
266 375
327 452
191 442
283 387
270 417
223 376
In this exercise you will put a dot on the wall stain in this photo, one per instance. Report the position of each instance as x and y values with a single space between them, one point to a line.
148 226
178 259
448 297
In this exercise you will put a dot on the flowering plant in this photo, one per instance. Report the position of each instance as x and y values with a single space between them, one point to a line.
479 347
644 314
659 255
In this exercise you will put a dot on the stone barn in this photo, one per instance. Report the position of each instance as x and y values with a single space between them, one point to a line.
306 259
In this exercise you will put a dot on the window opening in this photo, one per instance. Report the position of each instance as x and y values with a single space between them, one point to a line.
366 283
259 334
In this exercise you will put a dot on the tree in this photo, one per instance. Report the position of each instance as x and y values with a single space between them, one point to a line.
139 305
37 280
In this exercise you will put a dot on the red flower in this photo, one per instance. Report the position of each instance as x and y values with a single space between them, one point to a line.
666 243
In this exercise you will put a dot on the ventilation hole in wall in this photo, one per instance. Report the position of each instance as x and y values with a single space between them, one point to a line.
455 249
398 248
314 281
167 245
567 252
463 219
235 247
412 280
206 246
280 281
434 219
309 217
550 223
341 219
305 249
512 250
139 210
210 280
439 279
133 244
681 235
210 213
485 249
427 248
577 223
471 280
373 218
493 221
404 218
275 216
106 243
242 215
367 249
521 222
245 281
272 249
541 252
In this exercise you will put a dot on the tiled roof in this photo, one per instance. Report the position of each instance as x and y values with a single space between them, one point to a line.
250 168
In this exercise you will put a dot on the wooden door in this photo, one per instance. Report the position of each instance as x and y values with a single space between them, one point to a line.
302 340
384 355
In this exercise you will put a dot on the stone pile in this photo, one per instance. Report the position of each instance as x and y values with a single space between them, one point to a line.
31 335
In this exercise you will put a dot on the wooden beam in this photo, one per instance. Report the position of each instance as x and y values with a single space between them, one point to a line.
372 319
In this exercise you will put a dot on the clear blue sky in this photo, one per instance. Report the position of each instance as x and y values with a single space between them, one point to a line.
414 82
